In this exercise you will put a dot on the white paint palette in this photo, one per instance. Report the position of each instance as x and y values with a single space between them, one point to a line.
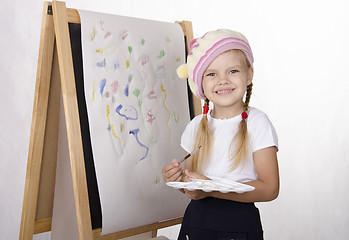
215 184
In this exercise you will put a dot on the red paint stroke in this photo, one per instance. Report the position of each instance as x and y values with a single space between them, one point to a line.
150 117
151 95
108 34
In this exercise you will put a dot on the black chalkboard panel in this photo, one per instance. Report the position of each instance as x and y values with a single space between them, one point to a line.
93 193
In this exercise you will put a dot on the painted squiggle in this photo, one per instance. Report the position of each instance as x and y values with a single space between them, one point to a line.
129 112
150 117
107 50
162 54
102 64
124 35
108 34
151 95
114 86
175 117
102 85
135 133
126 91
93 34
136 93
164 92
111 126
93 90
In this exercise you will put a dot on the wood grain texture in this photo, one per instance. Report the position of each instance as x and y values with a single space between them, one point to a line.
72 121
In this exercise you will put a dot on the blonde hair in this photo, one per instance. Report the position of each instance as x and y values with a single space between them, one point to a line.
239 148
203 139
240 145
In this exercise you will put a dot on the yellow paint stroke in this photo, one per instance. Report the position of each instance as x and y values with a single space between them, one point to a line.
107 50
157 180
127 64
93 34
169 113
111 126
93 90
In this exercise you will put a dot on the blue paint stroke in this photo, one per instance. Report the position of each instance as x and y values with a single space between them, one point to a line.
126 91
102 85
102 63
135 133
128 112
116 65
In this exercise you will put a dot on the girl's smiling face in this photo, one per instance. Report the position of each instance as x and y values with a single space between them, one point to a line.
225 81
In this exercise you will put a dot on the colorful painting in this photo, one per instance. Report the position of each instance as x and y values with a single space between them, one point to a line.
137 109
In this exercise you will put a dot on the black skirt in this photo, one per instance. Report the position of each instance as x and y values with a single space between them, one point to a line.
218 219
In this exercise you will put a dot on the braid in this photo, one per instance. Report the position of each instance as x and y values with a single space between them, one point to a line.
207 102
241 139
248 96
203 139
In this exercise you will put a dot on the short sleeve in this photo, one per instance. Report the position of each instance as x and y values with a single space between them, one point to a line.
188 136
262 132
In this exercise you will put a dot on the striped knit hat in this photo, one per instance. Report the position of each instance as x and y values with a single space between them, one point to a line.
205 49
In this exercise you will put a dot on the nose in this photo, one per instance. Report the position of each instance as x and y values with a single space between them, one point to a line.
222 80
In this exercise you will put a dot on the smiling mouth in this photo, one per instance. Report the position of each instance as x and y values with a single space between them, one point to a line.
224 91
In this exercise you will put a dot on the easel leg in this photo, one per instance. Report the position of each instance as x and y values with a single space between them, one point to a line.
76 153
38 126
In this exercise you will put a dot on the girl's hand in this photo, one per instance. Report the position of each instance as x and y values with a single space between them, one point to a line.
172 172
197 194
194 175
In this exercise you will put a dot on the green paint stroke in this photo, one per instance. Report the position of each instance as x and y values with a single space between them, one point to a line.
136 92
162 54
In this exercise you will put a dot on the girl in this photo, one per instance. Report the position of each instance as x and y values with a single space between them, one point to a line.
238 142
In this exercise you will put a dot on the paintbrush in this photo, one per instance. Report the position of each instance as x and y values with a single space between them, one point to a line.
188 155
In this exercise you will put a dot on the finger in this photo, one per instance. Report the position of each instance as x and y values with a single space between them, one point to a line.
186 179
189 174
169 167
175 176
178 178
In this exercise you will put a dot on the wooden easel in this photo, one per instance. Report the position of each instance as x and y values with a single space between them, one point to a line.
55 77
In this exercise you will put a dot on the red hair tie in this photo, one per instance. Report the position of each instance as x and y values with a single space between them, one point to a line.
244 115
206 108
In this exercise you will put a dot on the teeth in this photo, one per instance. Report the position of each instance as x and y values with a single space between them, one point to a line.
224 91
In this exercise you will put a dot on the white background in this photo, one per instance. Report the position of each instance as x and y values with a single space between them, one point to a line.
301 82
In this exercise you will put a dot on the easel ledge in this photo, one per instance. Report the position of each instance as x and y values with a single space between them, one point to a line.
44 225
55 77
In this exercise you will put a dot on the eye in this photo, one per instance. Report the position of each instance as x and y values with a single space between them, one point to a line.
210 75
233 71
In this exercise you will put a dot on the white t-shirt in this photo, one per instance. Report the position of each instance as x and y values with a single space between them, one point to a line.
261 132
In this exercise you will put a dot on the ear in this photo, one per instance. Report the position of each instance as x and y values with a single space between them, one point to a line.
249 75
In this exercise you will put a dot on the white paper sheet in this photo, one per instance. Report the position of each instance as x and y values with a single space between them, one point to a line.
137 109
64 222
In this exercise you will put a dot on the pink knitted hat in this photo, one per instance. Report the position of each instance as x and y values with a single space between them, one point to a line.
205 49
